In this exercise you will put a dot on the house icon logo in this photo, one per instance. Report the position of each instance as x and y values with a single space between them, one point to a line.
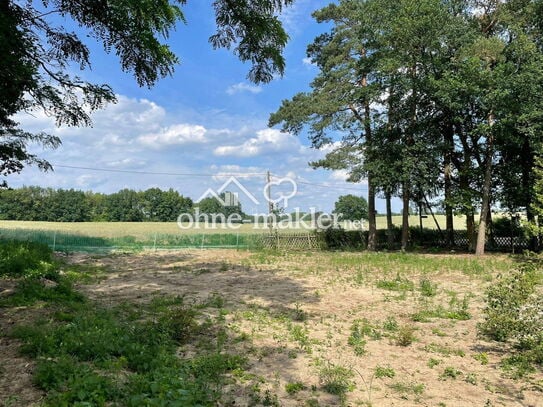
229 198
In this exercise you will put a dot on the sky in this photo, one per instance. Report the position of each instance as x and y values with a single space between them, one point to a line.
193 130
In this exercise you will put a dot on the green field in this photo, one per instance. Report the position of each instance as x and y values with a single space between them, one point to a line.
145 230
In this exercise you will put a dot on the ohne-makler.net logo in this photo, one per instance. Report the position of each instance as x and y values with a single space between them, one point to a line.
277 219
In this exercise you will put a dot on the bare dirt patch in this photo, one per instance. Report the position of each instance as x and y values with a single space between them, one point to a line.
294 317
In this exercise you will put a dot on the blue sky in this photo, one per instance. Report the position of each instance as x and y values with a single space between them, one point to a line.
206 119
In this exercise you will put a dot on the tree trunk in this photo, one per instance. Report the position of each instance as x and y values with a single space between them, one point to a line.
405 215
390 226
487 186
372 221
447 173
470 226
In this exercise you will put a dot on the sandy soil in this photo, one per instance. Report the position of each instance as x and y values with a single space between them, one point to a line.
264 296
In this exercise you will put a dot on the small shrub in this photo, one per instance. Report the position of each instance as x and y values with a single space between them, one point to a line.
26 259
336 379
178 323
505 299
405 336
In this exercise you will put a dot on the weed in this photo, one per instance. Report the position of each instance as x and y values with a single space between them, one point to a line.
456 310
336 379
31 290
450 373
270 399
427 288
360 329
357 341
471 378
405 336
444 350
433 363
299 314
381 372
215 300
481 357
301 335
406 389
438 332
518 366
398 284
390 324
293 388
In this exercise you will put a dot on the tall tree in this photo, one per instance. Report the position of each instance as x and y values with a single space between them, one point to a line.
342 96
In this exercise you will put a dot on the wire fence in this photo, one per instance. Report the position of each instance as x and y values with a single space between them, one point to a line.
332 240
69 242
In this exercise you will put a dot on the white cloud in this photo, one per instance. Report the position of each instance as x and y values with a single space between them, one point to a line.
266 141
127 163
243 87
307 61
177 134
339 175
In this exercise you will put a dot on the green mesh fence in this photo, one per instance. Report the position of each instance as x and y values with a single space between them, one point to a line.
62 241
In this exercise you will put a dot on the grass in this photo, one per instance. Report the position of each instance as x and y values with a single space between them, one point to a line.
261 328
88 354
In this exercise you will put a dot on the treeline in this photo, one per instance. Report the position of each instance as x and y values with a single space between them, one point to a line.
433 102
70 205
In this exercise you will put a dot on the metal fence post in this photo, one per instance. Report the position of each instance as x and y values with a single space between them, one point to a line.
54 240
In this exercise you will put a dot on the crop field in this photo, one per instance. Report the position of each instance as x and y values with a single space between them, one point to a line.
143 230
241 328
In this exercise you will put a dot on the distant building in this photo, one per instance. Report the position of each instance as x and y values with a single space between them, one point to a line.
231 199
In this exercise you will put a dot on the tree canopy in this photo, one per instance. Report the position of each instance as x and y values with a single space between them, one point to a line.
38 52
61 205
351 207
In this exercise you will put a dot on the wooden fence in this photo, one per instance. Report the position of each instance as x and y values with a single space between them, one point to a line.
306 241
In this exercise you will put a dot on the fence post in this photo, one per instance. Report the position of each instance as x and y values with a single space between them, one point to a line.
237 241
54 240
202 245
154 243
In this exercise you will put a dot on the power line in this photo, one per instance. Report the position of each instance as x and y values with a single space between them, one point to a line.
326 186
175 174
240 174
